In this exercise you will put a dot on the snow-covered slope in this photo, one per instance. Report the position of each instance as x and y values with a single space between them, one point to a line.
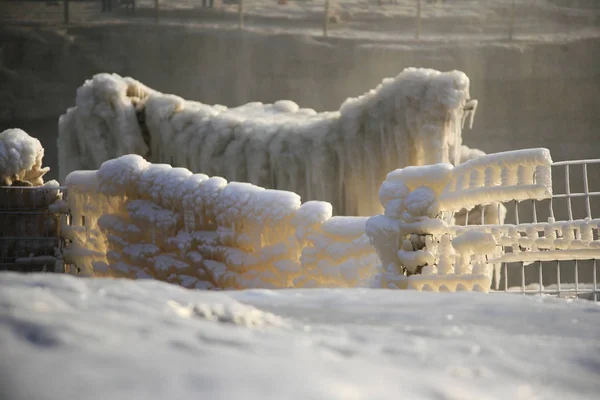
72 338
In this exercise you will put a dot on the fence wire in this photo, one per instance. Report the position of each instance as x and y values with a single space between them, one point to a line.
30 239
576 197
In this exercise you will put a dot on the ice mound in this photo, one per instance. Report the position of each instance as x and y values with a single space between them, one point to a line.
340 157
21 159
135 219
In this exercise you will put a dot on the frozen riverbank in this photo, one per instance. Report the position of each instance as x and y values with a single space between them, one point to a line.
145 339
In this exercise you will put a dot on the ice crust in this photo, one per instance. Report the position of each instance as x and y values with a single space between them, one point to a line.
140 220
339 157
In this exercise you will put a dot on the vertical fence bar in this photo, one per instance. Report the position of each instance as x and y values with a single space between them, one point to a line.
241 14
568 191
541 277
586 190
522 277
418 31
156 10
505 268
576 278
595 284
326 18
499 208
66 11
511 23
558 276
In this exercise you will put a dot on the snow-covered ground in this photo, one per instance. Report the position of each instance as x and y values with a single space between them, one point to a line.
63 338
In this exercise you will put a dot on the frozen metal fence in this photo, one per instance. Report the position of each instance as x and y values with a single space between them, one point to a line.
568 222
30 239
571 219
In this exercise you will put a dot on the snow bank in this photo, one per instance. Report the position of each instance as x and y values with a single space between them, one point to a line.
135 219
121 339
21 159
339 157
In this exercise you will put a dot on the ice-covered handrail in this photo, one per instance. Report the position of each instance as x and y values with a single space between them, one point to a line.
134 219
500 177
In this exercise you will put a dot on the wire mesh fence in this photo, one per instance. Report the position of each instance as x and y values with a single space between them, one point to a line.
570 219
30 239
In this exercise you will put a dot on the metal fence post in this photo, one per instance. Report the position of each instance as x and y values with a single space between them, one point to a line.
326 18
156 9
66 10
511 27
418 32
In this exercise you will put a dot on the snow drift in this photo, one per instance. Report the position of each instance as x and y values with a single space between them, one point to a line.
340 157
121 339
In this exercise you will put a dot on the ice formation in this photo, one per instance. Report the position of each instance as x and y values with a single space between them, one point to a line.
134 219
419 244
340 157
21 159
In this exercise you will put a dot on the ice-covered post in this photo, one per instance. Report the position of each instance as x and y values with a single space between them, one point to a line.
418 32
326 18
241 13
66 10
511 27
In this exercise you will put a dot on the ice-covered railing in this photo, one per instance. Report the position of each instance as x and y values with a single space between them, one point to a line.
134 219
416 239
500 177
422 245
341 157
556 243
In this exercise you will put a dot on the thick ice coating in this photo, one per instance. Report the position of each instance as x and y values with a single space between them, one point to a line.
21 159
135 219
418 241
339 157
